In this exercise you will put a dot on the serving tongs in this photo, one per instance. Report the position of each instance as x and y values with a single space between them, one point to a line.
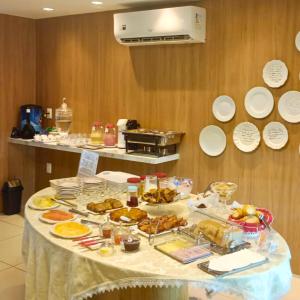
64 202
151 236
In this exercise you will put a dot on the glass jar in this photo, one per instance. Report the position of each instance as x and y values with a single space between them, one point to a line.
106 229
106 249
142 184
97 134
120 233
134 181
132 196
63 118
131 243
162 180
110 136
150 183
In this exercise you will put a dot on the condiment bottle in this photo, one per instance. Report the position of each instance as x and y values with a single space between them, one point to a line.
106 229
110 137
97 133
132 196
120 233
136 182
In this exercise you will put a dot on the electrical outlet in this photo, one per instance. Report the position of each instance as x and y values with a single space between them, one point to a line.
49 113
49 168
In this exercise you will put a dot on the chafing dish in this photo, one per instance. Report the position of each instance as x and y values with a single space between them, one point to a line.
155 142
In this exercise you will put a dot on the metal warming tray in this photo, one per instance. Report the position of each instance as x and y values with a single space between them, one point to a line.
155 142
153 137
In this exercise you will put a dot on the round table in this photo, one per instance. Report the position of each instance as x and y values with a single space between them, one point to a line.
59 270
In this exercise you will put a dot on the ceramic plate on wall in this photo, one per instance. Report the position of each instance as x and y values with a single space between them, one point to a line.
259 102
289 106
223 108
212 140
297 41
275 73
246 137
275 135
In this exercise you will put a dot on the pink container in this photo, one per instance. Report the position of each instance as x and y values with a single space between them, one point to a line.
110 136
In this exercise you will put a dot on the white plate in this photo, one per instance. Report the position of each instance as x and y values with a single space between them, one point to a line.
52 221
223 108
297 41
246 137
289 106
123 223
275 73
275 135
68 237
33 206
259 102
212 140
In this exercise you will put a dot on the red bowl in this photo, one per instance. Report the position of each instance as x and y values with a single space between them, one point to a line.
250 227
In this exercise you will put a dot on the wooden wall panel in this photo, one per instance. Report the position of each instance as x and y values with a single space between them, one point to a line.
173 87
17 87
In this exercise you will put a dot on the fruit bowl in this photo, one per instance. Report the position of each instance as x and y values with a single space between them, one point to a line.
255 227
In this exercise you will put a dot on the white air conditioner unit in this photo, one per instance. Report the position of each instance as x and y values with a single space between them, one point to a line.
175 25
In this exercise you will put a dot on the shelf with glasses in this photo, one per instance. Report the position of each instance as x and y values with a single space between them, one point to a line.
114 153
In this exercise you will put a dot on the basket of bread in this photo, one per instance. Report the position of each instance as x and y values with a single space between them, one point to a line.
252 219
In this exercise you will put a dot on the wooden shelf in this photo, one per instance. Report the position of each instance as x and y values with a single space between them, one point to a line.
114 153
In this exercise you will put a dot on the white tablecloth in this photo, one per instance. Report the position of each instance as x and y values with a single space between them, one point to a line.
56 269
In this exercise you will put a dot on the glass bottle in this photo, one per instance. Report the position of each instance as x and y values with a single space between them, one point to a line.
106 229
110 136
97 134
119 233
132 196
135 181
150 183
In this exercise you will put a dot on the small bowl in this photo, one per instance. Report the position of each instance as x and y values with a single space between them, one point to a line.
131 244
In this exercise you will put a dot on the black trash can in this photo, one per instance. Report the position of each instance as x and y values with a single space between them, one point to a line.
12 196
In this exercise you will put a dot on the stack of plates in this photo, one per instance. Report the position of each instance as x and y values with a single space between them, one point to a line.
93 184
67 190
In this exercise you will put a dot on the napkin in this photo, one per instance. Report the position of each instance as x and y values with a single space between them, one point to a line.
236 260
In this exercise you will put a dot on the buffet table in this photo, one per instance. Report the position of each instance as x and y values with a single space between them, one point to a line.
57 269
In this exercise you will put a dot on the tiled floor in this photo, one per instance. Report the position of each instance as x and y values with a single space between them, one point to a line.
12 269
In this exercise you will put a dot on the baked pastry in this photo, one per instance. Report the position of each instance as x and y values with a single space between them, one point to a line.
165 195
134 214
161 224
102 207
220 234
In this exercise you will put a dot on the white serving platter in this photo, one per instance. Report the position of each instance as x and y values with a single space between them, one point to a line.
48 221
275 135
246 137
66 236
289 106
259 102
33 206
212 140
275 73
223 108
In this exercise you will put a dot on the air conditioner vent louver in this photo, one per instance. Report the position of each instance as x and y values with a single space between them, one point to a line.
156 39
